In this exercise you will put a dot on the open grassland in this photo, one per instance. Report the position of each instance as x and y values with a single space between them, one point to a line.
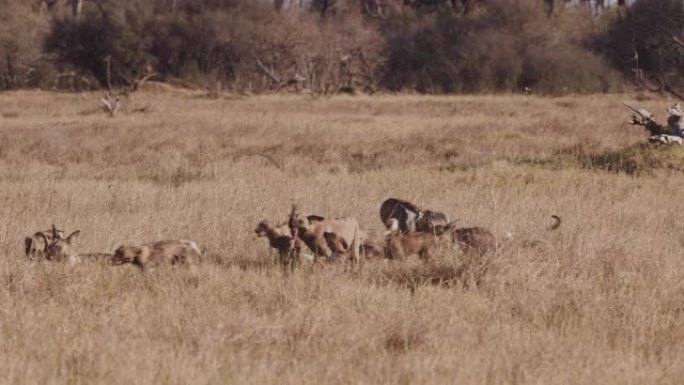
603 305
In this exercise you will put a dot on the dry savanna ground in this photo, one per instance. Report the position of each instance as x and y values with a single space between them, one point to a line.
603 304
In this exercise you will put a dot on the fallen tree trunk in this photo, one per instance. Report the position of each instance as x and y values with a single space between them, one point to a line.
644 118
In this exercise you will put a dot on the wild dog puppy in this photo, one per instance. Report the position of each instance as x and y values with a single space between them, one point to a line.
373 243
399 246
431 219
410 218
35 245
156 253
311 230
476 240
279 237
337 245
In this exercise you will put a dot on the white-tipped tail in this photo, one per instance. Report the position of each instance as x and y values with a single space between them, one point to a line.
192 245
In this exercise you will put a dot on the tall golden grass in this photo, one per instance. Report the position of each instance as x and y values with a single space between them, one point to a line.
605 304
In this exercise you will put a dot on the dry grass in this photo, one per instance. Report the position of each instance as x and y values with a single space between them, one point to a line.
604 305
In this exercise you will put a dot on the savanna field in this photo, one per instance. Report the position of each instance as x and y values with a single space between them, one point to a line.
603 303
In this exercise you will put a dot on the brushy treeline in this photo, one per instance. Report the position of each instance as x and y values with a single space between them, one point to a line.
326 47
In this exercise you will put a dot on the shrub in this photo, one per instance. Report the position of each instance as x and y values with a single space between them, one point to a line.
192 47
106 31
499 46
502 48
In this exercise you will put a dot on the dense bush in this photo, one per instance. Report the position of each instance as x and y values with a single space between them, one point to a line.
502 48
192 47
331 46
106 32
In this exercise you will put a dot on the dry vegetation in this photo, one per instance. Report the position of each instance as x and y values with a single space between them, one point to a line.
604 305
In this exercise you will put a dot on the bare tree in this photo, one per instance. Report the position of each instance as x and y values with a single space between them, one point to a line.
549 5
658 45
111 101
599 6
458 6
76 7
323 6
379 8
49 4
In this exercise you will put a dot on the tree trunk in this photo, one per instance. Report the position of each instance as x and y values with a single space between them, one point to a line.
76 7
549 5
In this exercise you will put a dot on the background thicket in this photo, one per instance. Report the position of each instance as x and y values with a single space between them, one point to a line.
326 46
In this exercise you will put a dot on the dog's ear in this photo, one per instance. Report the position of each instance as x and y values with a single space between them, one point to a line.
315 218
72 237
451 225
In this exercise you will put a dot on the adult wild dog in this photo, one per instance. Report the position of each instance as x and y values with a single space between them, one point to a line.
311 230
156 253
36 244
409 217
61 249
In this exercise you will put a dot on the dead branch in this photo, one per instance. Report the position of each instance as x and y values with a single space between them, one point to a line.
644 118
141 80
110 104
111 101
667 88
108 62
275 79
672 36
